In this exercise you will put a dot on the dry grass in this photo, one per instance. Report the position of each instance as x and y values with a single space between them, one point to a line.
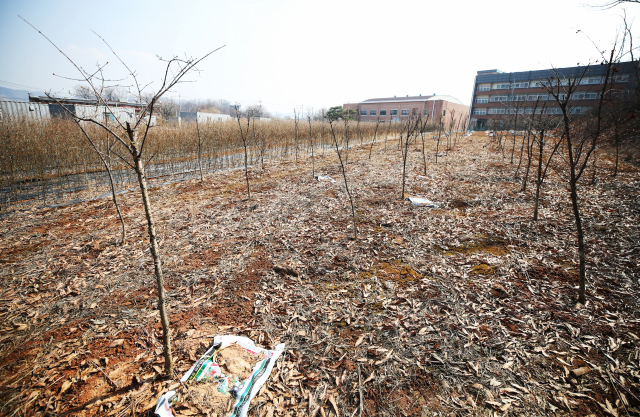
51 162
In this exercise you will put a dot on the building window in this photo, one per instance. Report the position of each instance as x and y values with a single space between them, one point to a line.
590 80
363 113
483 99
623 78
528 110
521 84
426 112
485 87
499 99
553 110
518 97
579 110
394 112
502 86
372 112
496 110
584 96
444 112
381 121
534 97
480 112
383 112
405 112
513 111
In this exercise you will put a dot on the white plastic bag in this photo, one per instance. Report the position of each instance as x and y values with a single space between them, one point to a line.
206 369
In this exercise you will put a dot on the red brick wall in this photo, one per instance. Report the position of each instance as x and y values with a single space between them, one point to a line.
435 107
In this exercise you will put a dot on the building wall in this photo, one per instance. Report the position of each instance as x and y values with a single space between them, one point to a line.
500 94
17 110
429 109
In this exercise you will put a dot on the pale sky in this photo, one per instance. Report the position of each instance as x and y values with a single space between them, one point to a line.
307 53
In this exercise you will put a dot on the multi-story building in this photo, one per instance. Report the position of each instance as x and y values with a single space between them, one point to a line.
497 94
399 108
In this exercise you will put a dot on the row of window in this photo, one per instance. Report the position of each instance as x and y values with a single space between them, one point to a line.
622 78
405 112
526 110
534 97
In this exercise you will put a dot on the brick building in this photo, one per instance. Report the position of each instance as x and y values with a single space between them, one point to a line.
399 108
497 94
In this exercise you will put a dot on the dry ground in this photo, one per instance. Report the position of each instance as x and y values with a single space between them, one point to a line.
467 309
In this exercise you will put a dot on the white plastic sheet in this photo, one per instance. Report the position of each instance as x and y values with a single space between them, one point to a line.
325 178
206 370
421 201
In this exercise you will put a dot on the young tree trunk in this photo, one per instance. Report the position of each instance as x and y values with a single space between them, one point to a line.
375 133
157 263
539 178
615 136
529 159
424 155
582 298
107 165
313 161
295 131
515 127
438 141
525 136
346 183
199 148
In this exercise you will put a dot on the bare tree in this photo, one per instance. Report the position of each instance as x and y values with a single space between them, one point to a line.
407 131
375 133
613 3
167 108
244 135
313 161
581 136
530 143
132 136
296 121
83 92
545 125
344 175
440 128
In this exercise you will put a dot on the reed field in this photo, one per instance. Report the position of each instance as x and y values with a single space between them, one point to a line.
51 162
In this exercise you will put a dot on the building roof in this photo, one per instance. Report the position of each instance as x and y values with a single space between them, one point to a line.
595 69
411 98
51 100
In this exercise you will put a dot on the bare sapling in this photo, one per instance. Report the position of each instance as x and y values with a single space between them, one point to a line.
515 129
525 137
344 175
452 115
132 136
440 128
200 140
106 162
543 138
264 137
323 125
244 136
375 133
360 135
386 135
313 161
296 121
407 131
423 131
580 143
530 144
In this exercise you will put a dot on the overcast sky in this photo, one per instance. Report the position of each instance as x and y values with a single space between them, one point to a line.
307 53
